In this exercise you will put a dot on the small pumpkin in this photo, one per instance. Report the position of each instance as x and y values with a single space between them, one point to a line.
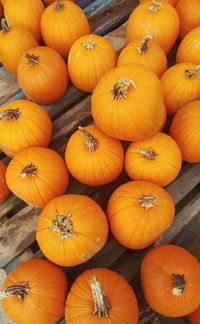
113 98
26 14
157 18
34 292
4 191
145 52
189 14
181 85
185 129
157 159
100 296
37 175
42 75
71 229
170 281
194 318
90 57
94 158
62 23
189 48
172 2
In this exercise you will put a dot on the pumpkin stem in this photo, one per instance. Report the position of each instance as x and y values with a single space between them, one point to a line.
91 142
11 114
154 6
121 88
100 303
59 5
191 73
20 290
32 59
147 201
90 44
29 170
148 154
178 284
63 226
4 26
143 46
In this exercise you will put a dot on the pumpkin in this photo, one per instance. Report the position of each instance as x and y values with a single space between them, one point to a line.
170 281
23 124
90 57
3 2
157 18
4 191
94 158
126 97
34 292
42 75
172 2
157 159
139 212
37 175
101 296
181 85
62 23
48 2
194 318
25 13
189 48
185 129
71 229
189 13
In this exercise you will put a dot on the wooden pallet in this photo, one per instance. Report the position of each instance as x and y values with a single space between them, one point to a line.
18 220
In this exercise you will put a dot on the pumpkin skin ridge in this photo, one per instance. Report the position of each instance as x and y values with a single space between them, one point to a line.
189 47
189 13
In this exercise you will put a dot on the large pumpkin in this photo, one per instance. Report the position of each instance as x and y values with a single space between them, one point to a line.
34 292
194 318
25 13
157 18
62 23
23 124
71 230
37 175
189 48
185 129
89 59
181 85
101 296
189 13
157 159
42 75
172 2
94 158
4 191
127 103
170 281
139 212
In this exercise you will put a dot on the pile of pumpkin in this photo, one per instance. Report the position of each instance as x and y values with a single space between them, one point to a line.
129 103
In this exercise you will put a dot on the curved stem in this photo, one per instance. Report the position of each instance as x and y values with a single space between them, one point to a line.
59 5
143 46
63 226
178 284
20 290
91 142
29 170
32 59
148 153
147 201
4 26
90 44
120 89
154 6
11 114
191 73
100 303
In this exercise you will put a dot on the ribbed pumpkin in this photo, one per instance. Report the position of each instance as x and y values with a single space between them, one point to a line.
145 52
170 281
172 2
34 292
189 14
181 85
89 59
4 191
185 129
37 175
101 296
62 23
25 13
94 158
127 103
159 19
139 212
23 124
156 159
194 318
42 75
189 48
71 230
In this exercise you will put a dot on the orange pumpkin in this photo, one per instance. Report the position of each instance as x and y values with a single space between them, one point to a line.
94 158
189 14
170 281
62 23
185 129
25 13
189 48
34 292
89 59
42 75
113 98
157 159
101 296
145 52
23 124
3 2
71 230
194 318
181 85
37 175
157 18
172 2
4 191
139 212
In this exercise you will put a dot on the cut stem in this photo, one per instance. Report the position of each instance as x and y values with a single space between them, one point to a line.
143 46
32 59
178 284
10 114
100 303
90 44
63 226
147 201
155 6
4 26
91 142
148 153
191 73
20 290
59 5
29 170
120 89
